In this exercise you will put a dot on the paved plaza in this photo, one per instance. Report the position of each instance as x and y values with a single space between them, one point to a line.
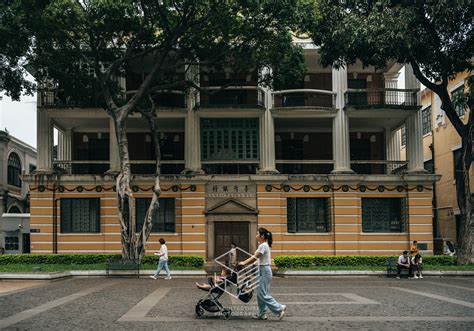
313 303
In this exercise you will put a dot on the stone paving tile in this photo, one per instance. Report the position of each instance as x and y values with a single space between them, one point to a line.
102 309
7 286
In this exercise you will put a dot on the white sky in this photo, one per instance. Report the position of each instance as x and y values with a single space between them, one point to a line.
19 118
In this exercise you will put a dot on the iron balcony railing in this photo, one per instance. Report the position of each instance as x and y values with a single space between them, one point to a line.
387 97
231 96
139 167
304 98
53 98
378 167
304 166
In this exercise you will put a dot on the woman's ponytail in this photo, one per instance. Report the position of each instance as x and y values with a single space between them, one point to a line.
267 235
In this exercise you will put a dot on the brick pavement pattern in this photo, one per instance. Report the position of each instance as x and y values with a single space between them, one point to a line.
313 303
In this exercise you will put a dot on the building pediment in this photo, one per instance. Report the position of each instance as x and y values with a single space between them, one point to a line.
231 206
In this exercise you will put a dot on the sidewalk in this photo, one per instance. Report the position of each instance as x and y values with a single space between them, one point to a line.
202 273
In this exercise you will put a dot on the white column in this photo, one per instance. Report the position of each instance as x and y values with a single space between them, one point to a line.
114 157
340 127
44 141
415 143
68 144
267 153
414 129
391 82
392 146
192 147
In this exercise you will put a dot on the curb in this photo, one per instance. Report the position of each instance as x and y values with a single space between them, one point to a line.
90 273
439 273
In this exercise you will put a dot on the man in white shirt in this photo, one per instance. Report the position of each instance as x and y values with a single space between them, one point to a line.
403 263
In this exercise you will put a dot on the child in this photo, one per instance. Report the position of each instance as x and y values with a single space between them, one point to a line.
225 274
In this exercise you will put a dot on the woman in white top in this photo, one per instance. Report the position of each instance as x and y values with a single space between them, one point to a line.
163 262
263 256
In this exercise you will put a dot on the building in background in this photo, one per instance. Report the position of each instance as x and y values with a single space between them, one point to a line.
441 147
16 158
318 165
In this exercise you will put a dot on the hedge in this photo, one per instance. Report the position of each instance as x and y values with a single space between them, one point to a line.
177 260
307 261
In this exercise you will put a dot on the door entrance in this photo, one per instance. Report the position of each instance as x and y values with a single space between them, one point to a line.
228 232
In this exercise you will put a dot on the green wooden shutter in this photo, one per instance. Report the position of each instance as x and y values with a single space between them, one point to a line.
291 215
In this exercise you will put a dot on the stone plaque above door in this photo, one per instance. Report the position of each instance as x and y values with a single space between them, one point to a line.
219 191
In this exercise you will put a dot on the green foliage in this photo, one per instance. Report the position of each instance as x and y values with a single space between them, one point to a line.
308 261
84 259
437 35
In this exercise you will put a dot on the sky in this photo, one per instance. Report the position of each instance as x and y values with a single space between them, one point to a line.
19 118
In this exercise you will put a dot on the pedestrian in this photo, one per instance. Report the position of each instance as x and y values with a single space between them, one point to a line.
417 266
414 249
163 262
232 255
263 256
403 263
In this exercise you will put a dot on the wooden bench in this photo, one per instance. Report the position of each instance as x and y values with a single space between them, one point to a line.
392 268
117 263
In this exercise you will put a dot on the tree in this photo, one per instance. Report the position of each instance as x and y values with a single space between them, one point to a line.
15 34
435 38
108 38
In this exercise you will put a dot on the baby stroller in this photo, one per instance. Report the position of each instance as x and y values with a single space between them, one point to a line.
210 302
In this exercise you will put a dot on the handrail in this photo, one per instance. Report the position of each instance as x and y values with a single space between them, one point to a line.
305 161
230 161
234 87
379 161
303 90
108 161
380 90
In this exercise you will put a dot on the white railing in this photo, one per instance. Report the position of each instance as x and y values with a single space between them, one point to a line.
304 98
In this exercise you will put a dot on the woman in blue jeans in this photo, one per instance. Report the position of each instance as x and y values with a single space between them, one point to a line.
163 262
263 256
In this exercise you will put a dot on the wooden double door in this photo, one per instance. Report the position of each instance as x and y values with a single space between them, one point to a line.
227 232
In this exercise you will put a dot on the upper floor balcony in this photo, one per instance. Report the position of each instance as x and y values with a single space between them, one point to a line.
303 98
232 97
382 98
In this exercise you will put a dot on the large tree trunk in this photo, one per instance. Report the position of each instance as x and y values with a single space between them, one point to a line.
463 193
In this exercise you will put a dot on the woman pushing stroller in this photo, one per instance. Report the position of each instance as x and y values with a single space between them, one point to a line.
263 256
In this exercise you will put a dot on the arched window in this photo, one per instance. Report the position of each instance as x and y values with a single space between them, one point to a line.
14 170
14 210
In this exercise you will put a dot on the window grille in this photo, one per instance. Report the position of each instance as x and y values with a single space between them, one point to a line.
164 219
455 94
426 120
80 215
384 214
308 215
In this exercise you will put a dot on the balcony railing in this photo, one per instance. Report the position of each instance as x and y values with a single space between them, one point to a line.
303 98
304 166
52 98
379 98
230 167
378 167
232 96
139 167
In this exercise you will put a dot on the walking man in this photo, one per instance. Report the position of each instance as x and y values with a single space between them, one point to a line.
163 262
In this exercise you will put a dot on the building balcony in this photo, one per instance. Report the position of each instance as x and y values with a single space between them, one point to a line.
304 166
53 98
235 167
307 98
139 167
378 167
232 96
381 98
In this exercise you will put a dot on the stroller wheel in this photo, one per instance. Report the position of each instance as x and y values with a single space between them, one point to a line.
227 313
199 311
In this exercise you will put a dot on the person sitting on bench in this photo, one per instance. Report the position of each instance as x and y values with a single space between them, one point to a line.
403 263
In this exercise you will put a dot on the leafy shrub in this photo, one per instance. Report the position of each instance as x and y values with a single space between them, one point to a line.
178 260
308 261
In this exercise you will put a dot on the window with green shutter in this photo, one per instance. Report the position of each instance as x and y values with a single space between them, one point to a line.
308 215
80 215
226 139
164 219
384 214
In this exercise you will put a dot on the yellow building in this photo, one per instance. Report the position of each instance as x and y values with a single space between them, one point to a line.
441 145
319 166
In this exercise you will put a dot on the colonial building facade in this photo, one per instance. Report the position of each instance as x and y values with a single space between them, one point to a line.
319 166
16 158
